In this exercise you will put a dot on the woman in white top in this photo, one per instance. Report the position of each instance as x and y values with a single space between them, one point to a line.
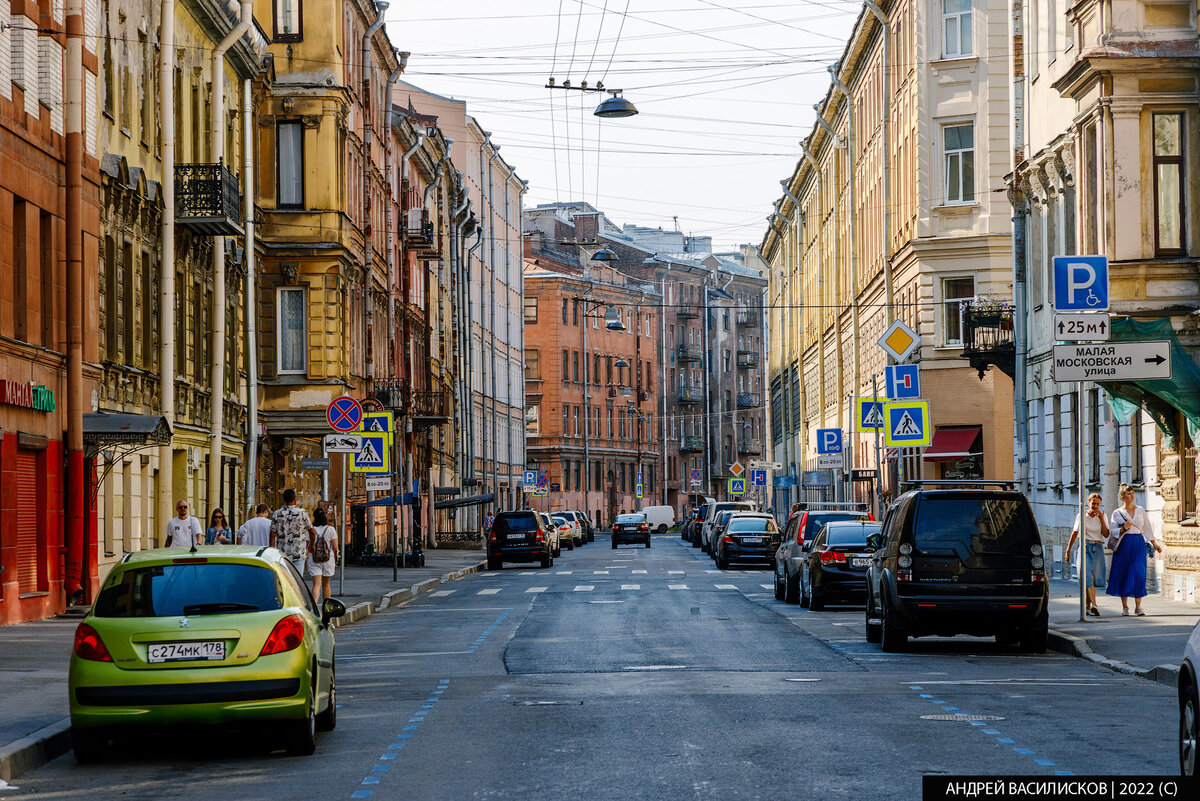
1128 577
322 572
1095 532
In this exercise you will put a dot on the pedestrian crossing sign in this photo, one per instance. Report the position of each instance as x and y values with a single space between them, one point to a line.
906 424
374 455
868 415
737 486
378 423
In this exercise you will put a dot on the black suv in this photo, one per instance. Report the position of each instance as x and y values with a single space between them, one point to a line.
958 561
517 537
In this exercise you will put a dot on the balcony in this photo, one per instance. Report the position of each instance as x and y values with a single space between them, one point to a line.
689 353
748 318
207 199
689 443
419 234
750 447
747 359
689 394
987 334
749 400
429 406
688 312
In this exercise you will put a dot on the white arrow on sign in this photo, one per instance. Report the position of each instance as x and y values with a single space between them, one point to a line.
343 443
1112 361
1082 326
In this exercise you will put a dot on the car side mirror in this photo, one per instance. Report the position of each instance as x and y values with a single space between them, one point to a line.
330 609
874 542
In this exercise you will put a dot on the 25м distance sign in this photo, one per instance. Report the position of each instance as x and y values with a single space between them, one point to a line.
1113 361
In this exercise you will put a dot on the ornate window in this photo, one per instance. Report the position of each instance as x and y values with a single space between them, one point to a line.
1168 184
293 328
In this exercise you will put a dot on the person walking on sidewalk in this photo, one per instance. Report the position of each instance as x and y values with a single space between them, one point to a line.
322 557
1128 576
183 530
256 530
218 530
1095 532
291 531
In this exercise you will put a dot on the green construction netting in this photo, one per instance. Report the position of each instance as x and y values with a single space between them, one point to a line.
1162 399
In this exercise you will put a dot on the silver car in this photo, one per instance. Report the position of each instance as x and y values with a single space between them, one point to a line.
1189 704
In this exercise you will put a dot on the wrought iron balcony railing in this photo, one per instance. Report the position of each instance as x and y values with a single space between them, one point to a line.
747 359
687 312
430 405
689 394
749 400
751 447
690 443
207 199
690 353
748 318
987 334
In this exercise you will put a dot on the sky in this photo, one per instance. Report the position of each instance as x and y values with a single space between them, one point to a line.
724 90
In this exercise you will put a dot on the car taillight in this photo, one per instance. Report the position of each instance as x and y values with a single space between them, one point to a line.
728 540
903 575
830 557
286 636
540 535
88 644
615 526
190 560
491 535
643 525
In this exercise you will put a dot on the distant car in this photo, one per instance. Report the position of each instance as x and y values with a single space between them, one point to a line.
714 530
631 528
552 532
569 533
223 635
957 561
659 518
711 510
789 557
519 536
585 525
1189 704
747 537
836 562
696 525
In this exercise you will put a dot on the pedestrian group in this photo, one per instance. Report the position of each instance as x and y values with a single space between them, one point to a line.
310 544
1129 535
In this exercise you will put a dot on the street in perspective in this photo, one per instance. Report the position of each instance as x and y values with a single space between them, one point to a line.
648 399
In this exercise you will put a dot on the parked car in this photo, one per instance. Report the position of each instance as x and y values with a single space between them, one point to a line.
747 537
711 510
713 532
569 533
659 518
220 635
519 536
958 561
631 528
551 528
835 564
697 525
801 527
1189 704
585 525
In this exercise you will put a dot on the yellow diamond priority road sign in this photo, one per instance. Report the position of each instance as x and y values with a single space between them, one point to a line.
899 341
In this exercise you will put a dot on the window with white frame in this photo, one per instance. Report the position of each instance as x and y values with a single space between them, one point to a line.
954 291
958 148
293 326
956 28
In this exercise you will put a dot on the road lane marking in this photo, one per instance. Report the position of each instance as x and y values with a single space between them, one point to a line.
677 586
631 586
725 586
674 572
767 586
583 588
564 572
643 572
492 591
441 593
537 589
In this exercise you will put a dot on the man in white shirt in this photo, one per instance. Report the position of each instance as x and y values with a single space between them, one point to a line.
183 531
256 530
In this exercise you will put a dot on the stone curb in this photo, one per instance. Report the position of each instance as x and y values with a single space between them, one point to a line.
1077 646
41 746
51 742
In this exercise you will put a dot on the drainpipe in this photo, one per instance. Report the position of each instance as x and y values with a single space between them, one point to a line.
662 418
1020 204
820 271
216 431
721 415
405 349
851 235
456 316
368 238
887 157
480 229
491 215
793 272
392 351
485 191
251 311
76 488
166 280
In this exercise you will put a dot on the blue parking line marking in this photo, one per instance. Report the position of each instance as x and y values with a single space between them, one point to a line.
383 757
404 736
415 720
977 723
372 780
926 695
1045 763
1025 751
380 768
395 746
950 708
913 687
409 728
1063 773
427 706
361 794
990 731
1006 741
378 771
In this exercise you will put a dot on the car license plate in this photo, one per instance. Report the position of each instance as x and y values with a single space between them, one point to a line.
860 562
752 540
196 651
512 537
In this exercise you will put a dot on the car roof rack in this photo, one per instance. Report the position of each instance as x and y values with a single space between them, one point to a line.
971 484
831 506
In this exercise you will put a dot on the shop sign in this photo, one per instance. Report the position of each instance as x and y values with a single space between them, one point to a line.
27 395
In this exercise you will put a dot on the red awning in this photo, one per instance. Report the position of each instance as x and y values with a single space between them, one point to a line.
953 444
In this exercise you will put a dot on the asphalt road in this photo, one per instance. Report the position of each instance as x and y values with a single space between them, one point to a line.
648 674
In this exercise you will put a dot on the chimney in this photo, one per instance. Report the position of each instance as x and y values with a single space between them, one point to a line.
587 227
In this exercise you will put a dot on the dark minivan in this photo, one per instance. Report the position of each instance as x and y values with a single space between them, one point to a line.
517 537
958 561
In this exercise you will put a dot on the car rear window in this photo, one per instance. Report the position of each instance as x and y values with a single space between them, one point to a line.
982 524
818 519
849 535
753 524
190 589
514 523
631 519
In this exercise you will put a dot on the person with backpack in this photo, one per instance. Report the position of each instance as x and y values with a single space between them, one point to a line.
322 554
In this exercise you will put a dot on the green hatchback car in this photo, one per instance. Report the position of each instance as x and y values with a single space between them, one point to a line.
216 635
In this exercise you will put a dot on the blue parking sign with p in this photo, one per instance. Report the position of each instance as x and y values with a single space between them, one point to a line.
1080 283
530 478
829 440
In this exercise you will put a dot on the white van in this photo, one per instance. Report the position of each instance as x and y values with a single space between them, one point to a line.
659 518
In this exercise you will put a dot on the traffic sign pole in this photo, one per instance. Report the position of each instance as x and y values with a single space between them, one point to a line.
878 463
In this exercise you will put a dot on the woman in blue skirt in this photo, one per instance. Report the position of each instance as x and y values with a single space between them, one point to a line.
1127 577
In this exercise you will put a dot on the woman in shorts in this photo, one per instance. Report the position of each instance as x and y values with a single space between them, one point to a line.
324 545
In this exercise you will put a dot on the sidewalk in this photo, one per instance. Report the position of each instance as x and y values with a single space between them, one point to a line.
1150 646
34 656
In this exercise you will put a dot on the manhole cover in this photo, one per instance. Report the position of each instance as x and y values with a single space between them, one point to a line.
960 717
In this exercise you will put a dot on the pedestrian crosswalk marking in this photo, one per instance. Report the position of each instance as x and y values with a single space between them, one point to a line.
726 586
674 572
537 589
767 586
600 572
441 593
529 573
640 571
564 572
677 586
906 426
489 592
631 586
584 588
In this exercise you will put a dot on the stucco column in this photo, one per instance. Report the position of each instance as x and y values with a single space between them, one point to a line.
1128 183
